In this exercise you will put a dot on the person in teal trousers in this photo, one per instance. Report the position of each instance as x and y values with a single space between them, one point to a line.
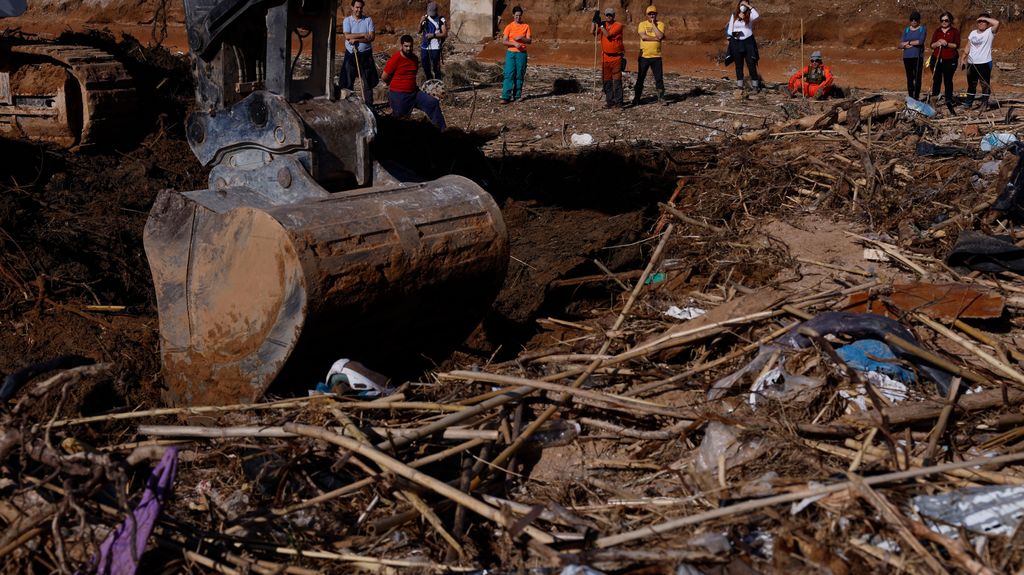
516 36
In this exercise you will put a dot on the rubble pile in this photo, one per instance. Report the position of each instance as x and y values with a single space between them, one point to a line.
815 366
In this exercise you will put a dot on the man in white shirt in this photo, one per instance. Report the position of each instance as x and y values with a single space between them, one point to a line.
358 63
977 59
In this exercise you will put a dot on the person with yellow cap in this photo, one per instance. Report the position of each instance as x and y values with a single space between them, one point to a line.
652 34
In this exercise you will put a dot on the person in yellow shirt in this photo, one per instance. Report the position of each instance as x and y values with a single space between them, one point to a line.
516 36
652 34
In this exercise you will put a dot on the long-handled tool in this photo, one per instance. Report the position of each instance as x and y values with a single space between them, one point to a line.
359 72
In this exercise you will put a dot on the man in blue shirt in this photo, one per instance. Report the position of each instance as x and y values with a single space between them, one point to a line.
434 29
359 34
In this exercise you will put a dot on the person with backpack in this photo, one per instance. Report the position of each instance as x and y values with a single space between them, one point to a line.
433 31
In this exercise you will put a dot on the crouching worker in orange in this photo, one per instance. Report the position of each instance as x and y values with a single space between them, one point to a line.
815 80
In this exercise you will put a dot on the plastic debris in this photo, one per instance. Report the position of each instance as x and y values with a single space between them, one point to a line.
981 252
990 168
347 377
806 502
778 385
725 442
990 510
685 312
556 433
581 139
580 570
887 387
10 8
868 355
929 149
714 543
875 255
861 326
920 107
1011 200
121 550
996 140
655 278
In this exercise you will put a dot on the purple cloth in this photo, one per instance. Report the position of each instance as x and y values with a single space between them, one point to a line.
119 555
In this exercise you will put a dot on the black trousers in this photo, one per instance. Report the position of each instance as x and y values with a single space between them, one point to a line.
655 66
943 74
977 72
914 67
745 51
366 68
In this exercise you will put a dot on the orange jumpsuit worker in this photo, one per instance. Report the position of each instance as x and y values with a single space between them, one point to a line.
815 79
613 57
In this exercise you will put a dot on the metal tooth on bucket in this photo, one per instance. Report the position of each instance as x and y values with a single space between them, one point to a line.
285 264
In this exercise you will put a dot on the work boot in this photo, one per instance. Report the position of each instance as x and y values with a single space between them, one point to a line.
661 98
737 94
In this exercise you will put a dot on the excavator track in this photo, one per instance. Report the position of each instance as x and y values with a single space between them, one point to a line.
95 103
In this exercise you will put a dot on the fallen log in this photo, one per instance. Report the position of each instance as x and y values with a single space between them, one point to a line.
807 122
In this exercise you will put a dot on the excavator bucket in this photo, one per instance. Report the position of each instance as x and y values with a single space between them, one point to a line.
243 288
303 250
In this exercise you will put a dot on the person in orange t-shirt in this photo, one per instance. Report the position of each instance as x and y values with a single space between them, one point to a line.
516 36
613 57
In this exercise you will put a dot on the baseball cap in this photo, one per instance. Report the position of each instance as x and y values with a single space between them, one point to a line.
651 9
609 12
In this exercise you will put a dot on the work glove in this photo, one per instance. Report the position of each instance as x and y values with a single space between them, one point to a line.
597 18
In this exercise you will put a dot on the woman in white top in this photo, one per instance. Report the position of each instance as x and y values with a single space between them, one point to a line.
742 46
978 59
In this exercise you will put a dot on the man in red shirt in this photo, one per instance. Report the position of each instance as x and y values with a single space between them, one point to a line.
403 94
613 57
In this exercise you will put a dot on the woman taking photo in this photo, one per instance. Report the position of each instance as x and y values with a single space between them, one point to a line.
912 43
742 46
945 42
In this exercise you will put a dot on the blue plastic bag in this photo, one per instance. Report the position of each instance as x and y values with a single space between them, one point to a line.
872 355
920 107
995 140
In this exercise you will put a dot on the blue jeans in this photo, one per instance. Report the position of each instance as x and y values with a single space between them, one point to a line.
431 60
515 71
403 102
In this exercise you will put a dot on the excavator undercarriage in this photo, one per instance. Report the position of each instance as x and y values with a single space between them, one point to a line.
63 94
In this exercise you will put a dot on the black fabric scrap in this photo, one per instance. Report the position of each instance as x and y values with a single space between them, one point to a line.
980 252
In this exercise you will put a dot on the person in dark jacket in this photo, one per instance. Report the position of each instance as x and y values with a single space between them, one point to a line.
912 43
